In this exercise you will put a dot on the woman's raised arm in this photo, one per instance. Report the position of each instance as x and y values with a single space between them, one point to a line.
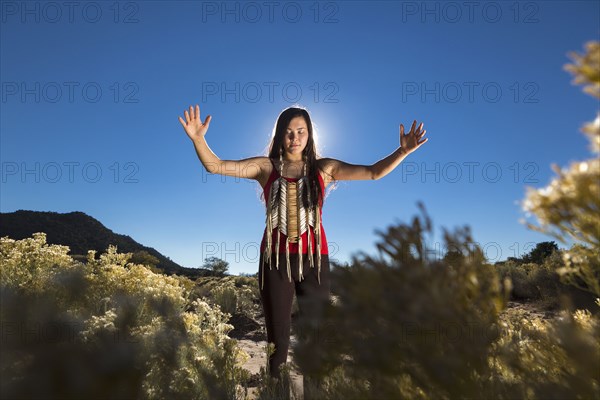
249 168
343 171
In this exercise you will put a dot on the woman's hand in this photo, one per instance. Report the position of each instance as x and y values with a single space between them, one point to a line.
413 139
193 125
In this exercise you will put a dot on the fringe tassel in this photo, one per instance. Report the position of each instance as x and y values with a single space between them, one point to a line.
300 259
310 251
287 256
318 233
277 251
302 225
269 232
262 268
269 236
281 183
310 247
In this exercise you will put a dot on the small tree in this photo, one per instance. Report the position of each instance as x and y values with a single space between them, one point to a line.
540 252
217 266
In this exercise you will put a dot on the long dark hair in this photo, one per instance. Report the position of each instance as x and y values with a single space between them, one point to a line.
310 153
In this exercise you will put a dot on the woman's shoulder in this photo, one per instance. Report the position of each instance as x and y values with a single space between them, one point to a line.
259 162
266 169
326 165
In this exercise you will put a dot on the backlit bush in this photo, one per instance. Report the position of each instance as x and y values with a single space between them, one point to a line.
405 326
233 294
539 359
569 207
107 328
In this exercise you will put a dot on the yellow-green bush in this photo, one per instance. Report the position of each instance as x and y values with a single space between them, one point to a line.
539 359
107 328
233 294
530 281
568 208
406 326
522 281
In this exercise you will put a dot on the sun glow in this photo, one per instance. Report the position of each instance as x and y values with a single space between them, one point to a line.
324 130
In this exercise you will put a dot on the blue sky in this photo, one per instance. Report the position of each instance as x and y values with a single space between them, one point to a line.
91 97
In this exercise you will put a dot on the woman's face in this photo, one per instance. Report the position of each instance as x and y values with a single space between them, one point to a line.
296 137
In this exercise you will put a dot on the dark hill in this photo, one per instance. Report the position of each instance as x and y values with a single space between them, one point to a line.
81 233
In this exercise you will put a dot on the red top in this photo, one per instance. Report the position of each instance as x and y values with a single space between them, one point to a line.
293 246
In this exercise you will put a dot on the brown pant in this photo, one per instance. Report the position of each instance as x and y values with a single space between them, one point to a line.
277 296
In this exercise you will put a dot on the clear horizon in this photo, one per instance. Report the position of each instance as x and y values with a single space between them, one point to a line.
91 96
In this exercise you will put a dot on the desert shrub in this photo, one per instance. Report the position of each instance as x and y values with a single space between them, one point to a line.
232 294
108 328
546 280
226 298
504 271
405 326
204 285
568 207
541 359
531 281
522 281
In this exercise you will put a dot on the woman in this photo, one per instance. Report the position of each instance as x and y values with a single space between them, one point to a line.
292 176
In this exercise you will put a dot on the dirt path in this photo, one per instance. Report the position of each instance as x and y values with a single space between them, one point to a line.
258 359
530 309
252 339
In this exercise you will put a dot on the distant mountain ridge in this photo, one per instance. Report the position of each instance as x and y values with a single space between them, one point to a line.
81 233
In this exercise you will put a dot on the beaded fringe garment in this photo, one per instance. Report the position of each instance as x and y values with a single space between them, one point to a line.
292 219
